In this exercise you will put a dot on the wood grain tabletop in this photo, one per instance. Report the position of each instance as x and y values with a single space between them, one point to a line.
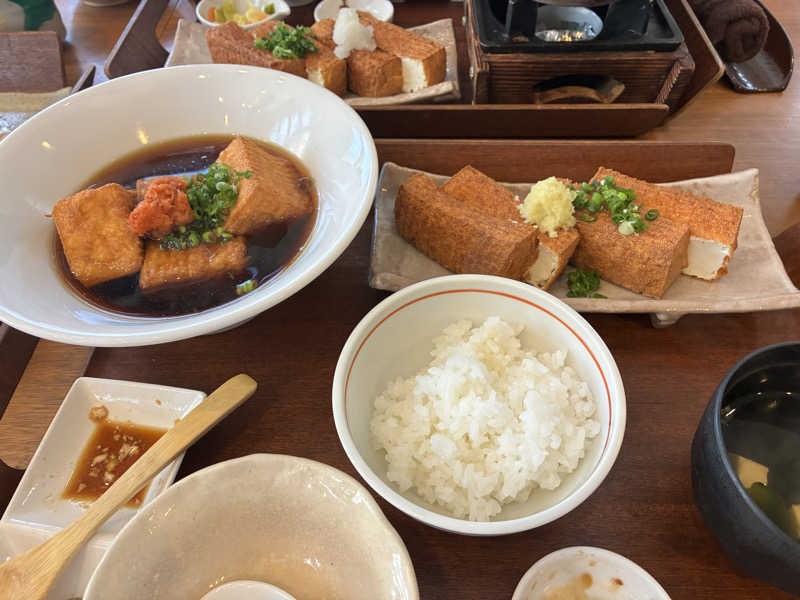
643 510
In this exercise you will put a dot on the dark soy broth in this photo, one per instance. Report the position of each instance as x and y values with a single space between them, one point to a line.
270 251
761 423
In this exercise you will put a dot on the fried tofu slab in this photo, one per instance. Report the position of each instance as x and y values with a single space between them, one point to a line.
713 226
459 237
205 262
273 192
646 263
231 44
93 228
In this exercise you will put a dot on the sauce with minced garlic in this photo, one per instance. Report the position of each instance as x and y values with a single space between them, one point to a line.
110 451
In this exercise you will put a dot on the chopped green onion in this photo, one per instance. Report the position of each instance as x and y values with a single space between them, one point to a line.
587 218
625 228
583 283
246 287
651 215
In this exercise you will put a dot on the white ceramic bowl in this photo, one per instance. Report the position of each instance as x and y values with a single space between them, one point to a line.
395 339
282 10
52 154
380 9
611 576
297 524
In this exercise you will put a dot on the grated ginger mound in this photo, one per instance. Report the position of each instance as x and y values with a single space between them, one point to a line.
549 206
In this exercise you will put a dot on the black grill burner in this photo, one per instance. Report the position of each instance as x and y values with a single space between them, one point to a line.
506 26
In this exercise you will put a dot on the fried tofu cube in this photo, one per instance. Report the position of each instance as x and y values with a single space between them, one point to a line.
203 263
94 232
323 67
459 237
272 193
424 62
374 73
231 44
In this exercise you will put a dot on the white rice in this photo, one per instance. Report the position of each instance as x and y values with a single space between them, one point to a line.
486 423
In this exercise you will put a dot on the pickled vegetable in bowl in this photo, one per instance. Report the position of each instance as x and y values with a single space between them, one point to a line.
227 12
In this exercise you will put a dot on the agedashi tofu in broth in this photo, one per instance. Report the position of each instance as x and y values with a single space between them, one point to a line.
186 225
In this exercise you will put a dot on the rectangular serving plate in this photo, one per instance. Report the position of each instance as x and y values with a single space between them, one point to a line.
756 280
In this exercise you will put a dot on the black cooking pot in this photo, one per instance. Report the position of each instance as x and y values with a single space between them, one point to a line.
748 535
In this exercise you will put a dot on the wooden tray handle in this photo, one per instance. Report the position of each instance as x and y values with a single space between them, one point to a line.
566 90
138 48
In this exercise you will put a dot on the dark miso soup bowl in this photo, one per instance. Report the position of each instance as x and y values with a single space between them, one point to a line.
747 535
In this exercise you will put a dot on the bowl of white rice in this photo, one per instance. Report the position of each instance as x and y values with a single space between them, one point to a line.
478 404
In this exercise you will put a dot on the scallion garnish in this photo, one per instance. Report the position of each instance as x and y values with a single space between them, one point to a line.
246 287
604 194
583 283
651 215
287 42
211 195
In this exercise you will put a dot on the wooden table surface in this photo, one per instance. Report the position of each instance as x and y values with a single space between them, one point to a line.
643 510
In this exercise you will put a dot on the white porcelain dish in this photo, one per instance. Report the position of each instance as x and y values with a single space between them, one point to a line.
305 527
37 510
382 10
70 141
395 339
610 576
282 10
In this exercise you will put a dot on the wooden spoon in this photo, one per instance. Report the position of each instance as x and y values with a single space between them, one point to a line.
30 575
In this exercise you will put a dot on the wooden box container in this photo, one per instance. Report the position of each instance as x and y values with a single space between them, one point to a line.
647 76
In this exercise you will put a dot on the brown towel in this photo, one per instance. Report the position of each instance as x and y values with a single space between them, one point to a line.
738 28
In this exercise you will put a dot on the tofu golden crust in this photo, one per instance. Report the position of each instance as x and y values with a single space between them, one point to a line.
163 268
458 237
483 193
374 73
323 31
427 57
231 44
93 228
272 193
646 263
706 218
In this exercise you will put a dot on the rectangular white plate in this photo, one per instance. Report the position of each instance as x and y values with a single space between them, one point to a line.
37 510
756 279
190 48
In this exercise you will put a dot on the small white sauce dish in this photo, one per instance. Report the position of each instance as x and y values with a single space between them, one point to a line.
282 10
382 10
395 339
37 510
612 576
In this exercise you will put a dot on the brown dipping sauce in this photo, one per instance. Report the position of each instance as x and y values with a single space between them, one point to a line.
110 451
270 252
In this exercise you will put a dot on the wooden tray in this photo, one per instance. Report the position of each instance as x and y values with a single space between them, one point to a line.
644 509
138 49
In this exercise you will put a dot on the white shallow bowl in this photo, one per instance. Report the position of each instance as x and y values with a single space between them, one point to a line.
282 10
395 339
297 524
382 10
54 153
37 511
613 577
